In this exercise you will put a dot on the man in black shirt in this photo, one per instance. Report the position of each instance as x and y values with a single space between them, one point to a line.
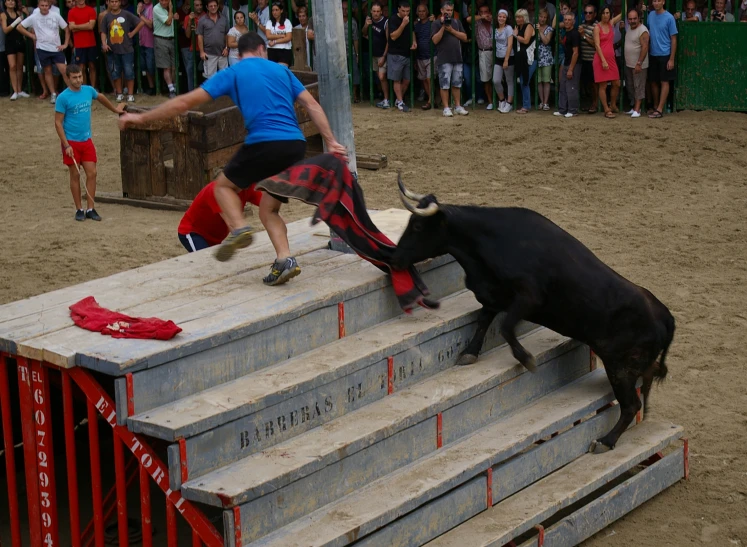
570 74
378 25
400 40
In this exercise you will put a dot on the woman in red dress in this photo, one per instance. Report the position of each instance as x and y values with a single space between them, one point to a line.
605 66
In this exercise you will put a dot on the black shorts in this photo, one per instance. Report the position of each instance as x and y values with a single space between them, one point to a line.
657 69
587 72
256 162
15 46
85 55
280 55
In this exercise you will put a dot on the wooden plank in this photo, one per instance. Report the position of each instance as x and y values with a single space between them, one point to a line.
373 162
190 169
145 203
306 77
433 519
175 124
385 500
299 51
134 146
156 166
218 130
253 477
616 503
538 502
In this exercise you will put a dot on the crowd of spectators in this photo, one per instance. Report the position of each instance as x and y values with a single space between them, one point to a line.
596 48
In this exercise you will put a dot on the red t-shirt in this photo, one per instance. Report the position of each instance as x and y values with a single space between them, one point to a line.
82 16
203 216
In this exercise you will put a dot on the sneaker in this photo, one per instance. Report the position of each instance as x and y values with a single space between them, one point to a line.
546 107
131 98
23 95
468 103
489 107
282 271
448 113
120 98
569 115
461 111
480 101
383 104
508 108
53 98
93 215
558 114
14 96
403 107
172 94
630 112
238 239
635 114
80 215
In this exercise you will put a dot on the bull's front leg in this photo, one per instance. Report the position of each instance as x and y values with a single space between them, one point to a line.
484 319
623 385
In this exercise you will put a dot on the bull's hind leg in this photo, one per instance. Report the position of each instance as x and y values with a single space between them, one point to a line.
520 308
623 384
484 319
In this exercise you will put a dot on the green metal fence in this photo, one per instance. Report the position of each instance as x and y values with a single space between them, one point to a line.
712 67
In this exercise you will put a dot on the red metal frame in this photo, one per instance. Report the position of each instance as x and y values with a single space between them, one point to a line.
183 460
237 526
110 503
390 375
130 394
686 450
196 541
490 487
25 399
71 459
146 525
10 457
341 319
439 430
121 488
540 535
171 535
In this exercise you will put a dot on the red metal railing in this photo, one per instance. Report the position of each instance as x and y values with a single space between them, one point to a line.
39 464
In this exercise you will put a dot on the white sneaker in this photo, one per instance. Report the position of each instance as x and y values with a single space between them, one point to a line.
480 101
53 98
383 104
120 98
558 114
569 115
448 113
490 107
131 98
635 114
23 95
630 112
508 108
14 96
469 102
461 111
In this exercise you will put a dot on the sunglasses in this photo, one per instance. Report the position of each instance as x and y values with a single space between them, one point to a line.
589 12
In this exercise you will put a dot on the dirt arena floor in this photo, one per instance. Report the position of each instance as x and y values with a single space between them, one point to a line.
661 201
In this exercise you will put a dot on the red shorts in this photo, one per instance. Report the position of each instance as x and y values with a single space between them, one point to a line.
83 151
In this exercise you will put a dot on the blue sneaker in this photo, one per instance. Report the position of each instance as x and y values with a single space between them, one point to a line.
282 271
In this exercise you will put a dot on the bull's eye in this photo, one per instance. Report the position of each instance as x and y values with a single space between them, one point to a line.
417 227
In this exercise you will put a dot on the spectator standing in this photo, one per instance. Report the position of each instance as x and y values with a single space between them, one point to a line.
586 31
719 13
15 46
46 25
355 51
72 120
448 35
163 33
545 61
211 40
191 20
4 76
504 62
237 30
117 30
399 43
636 60
663 48
304 23
144 11
260 16
605 65
570 73
484 42
380 46
526 63
82 21
691 14
423 38
279 34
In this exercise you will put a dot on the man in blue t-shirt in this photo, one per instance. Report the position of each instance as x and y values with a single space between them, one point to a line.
265 93
72 120
662 30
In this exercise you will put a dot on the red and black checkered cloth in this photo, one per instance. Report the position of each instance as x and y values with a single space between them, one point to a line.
326 181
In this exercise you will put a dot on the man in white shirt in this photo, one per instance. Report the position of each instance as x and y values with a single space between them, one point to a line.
636 60
46 25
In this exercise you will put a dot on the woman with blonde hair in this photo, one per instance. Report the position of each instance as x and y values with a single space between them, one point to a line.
605 65
526 63
544 75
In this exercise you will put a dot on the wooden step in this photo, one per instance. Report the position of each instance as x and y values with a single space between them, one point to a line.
374 504
349 452
418 345
532 506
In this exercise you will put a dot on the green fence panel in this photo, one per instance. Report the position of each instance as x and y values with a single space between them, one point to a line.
711 67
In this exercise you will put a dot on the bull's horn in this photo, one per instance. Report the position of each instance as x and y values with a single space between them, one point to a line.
412 195
428 211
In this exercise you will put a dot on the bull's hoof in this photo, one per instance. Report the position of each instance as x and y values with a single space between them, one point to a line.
466 359
530 364
599 447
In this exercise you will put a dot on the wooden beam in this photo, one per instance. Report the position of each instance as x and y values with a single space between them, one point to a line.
177 124
299 51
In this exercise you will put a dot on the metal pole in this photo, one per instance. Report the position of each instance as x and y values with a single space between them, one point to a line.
193 39
351 49
177 52
557 27
537 42
413 56
312 46
333 77
10 461
432 64
370 62
473 54
392 98
493 20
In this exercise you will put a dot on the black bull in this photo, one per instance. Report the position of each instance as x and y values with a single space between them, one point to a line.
518 261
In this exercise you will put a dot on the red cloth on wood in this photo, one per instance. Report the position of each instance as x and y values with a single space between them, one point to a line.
203 216
88 315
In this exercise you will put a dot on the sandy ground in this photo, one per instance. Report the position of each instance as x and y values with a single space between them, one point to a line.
661 201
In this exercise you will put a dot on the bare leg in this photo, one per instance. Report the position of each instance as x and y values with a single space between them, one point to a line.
602 92
637 106
15 82
614 94
488 91
75 187
427 88
405 86
92 73
227 195
49 79
131 87
398 92
384 85
61 67
655 92
444 97
91 172
269 214
663 97
456 93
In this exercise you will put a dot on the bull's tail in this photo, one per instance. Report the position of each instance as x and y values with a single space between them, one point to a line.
660 371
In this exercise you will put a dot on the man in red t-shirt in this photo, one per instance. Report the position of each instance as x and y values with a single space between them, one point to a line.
82 21
202 226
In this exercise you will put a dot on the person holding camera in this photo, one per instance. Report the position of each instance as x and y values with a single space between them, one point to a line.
447 34
719 12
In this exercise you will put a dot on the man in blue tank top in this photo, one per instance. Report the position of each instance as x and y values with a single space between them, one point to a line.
265 93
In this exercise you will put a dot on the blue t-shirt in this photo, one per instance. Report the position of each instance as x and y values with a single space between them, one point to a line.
660 29
268 91
76 106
